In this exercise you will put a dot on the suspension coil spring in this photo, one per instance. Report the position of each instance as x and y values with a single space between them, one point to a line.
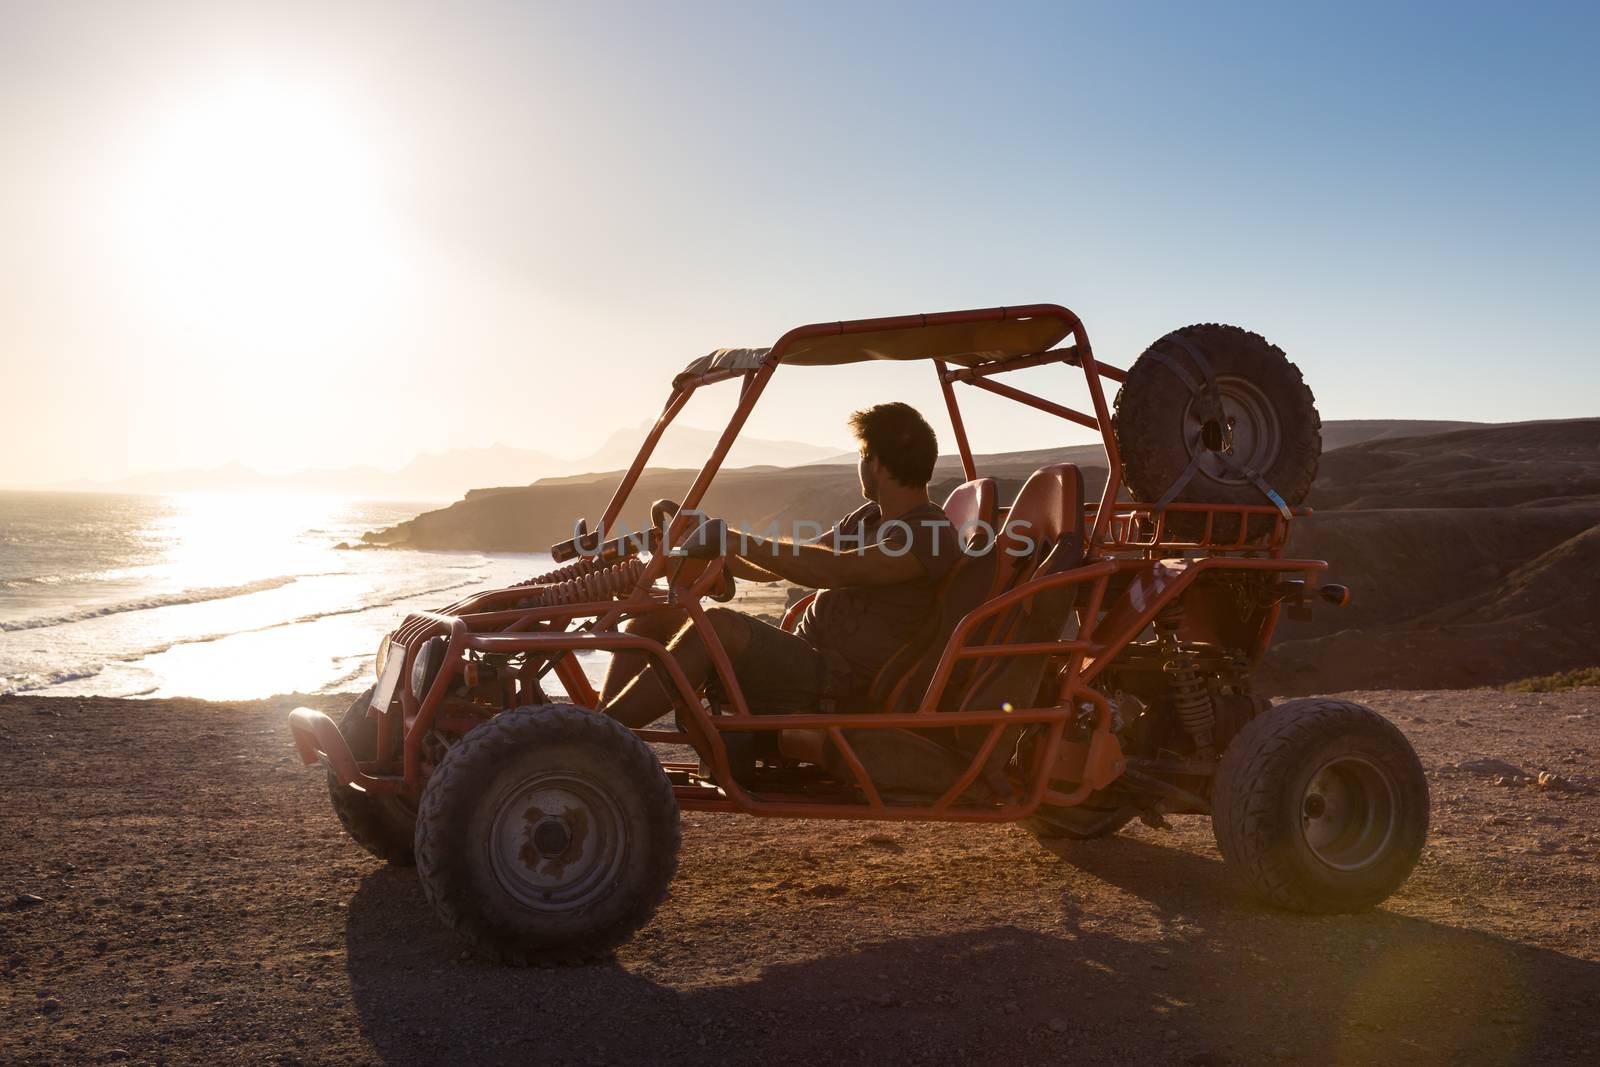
576 569
1191 699
586 580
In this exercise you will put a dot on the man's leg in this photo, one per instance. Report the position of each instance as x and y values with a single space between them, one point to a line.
626 666
644 699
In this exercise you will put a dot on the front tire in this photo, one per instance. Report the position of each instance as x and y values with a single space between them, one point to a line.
1321 806
548 834
382 823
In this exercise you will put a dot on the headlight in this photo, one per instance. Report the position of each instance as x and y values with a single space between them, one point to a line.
425 668
383 657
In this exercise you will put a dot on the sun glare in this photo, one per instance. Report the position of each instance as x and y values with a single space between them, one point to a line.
255 210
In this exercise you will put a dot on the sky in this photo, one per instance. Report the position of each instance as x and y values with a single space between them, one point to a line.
323 235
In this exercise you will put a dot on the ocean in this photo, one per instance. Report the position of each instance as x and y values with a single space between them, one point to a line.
214 596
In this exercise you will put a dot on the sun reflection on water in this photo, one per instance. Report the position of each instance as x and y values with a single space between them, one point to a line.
224 538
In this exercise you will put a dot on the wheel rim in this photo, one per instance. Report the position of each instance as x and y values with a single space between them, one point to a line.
557 842
1250 436
1347 813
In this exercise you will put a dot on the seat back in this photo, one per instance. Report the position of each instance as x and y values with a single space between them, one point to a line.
972 509
1043 535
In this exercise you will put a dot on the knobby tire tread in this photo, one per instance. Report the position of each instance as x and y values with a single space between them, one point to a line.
474 760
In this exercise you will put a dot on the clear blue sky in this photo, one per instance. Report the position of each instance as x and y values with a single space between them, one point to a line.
581 197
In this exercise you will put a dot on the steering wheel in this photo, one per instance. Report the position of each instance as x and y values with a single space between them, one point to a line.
700 552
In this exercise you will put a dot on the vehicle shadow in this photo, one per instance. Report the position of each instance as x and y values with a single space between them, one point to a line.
1214 979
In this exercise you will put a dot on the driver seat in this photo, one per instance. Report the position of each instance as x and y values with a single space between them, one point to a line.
974 510
1043 535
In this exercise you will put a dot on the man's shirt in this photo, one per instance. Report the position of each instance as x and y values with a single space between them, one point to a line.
867 624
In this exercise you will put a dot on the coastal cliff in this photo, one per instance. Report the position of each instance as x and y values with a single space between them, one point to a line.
1472 554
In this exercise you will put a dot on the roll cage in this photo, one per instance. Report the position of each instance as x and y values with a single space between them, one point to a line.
1133 567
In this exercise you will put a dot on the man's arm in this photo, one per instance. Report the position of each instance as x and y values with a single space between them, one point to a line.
743 568
819 566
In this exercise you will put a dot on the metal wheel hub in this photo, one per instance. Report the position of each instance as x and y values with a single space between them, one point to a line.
557 841
1248 435
1348 813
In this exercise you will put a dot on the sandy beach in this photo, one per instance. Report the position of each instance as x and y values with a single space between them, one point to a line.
178 891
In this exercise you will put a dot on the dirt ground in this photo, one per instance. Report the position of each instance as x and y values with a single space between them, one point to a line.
197 902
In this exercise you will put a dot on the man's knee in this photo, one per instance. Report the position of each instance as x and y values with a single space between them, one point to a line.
732 627
659 625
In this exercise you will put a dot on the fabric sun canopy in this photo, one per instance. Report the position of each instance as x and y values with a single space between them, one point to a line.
965 343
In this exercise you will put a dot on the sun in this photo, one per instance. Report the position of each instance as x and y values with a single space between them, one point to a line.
256 209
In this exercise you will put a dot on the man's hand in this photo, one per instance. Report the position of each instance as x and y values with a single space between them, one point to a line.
712 538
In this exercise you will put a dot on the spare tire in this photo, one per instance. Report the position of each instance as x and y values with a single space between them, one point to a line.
1166 422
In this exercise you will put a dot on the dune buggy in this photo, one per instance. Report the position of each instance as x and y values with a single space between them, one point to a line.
1092 670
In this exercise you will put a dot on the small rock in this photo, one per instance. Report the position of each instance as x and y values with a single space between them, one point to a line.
1488 766
1059 1025
1371 944
115 1054
26 900
1011 1007
1556 784
826 890
50 1006
884 841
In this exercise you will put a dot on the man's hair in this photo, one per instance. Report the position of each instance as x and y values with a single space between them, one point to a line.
899 438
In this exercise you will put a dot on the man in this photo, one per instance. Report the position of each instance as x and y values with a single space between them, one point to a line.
877 570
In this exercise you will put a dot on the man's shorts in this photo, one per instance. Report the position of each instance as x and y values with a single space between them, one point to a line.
782 674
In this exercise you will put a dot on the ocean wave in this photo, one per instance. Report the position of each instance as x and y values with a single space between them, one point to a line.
32 682
27 683
188 596
362 669
60 579
156 650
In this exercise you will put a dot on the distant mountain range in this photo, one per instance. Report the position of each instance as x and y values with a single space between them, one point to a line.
449 475
445 476
514 516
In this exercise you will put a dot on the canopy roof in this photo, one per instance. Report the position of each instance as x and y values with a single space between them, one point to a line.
964 343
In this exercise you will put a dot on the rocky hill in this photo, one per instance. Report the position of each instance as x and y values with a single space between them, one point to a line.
1472 550
1473 556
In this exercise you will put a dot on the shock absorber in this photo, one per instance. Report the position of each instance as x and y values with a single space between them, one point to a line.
1191 699
576 569
586 579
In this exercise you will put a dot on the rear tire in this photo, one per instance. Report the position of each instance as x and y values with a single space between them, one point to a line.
1275 427
548 834
382 823
1321 806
